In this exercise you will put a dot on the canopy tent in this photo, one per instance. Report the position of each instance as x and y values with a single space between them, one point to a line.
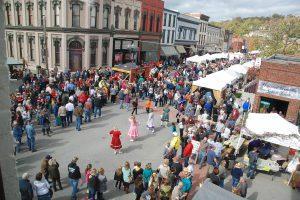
238 68
255 52
210 191
12 61
193 59
169 51
272 128
237 55
218 80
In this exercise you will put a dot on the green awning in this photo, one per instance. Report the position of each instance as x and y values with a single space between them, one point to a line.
180 49
168 51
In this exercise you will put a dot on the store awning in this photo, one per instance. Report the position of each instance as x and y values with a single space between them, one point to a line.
169 51
193 49
180 49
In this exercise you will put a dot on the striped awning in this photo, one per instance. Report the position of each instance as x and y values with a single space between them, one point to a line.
169 51
180 49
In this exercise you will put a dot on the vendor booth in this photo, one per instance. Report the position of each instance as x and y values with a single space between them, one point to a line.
273 130
131 71
217 82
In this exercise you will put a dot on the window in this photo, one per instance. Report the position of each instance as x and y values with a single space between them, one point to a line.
173 33
93 53
75 15
20 41
158 24
174 21
127 15
191 34
56 15
30 13
105 52
7 10
168 37
43 50
135 20
93 22
151 22
165 19
184 34
10 43
179 33
118 10
170 19
194 35
144 21
106 11
31 48
163 36
42 7
57 52
18 10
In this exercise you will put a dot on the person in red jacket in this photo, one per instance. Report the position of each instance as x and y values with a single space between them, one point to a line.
187 152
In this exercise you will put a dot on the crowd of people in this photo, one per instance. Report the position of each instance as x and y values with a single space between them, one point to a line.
202 123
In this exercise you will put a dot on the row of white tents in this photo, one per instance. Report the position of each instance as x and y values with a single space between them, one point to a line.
209 57
219 80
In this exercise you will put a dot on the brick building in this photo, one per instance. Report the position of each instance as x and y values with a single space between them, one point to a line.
279 87
151 28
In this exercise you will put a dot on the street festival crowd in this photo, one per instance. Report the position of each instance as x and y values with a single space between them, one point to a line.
201 126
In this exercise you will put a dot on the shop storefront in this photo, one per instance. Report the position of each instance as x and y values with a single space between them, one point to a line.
278 88
125 51
149 51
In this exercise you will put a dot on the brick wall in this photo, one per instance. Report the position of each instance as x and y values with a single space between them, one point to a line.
287 73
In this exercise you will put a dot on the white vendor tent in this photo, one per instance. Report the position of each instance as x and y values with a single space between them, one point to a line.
238 68
272 128
192 59
217 80
235 55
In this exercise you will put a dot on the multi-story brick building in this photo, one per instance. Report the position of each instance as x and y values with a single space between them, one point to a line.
151 28
79 34
169 33
278 88
202 30
215 39
187 35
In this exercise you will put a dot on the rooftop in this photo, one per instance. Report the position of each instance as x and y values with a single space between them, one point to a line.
283 58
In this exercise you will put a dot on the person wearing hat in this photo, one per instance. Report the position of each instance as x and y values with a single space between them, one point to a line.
45 167
74 177
25 187
78 112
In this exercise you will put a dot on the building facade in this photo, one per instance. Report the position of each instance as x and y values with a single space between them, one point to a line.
227 41
169 33
215 39
203 19
278 88
151 29
187 34
69 34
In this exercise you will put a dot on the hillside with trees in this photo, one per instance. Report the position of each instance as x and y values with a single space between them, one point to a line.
277 34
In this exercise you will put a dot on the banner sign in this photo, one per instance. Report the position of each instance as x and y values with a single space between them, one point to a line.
277 89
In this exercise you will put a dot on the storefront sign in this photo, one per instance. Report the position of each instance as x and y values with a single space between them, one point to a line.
277 89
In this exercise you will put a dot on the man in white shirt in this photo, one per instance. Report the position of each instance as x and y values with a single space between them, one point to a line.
69 109
226 133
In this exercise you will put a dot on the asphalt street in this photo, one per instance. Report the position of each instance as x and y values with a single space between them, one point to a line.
91 145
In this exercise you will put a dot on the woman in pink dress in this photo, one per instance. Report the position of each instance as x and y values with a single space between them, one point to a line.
133 130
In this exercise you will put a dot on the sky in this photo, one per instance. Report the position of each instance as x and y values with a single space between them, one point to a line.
220 10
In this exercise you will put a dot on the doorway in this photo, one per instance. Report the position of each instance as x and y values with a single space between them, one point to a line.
75 56
273 105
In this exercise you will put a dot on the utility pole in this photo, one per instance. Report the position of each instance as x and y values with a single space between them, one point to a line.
45 51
